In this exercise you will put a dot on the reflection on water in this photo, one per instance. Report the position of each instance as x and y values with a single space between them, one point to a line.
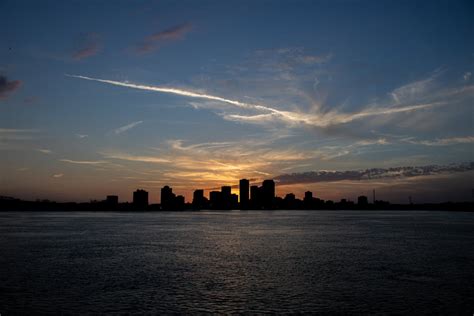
282 261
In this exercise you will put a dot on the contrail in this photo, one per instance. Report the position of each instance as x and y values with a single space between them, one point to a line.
179 92
126 127
318 120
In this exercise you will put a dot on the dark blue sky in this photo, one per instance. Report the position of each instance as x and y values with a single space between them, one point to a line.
234 89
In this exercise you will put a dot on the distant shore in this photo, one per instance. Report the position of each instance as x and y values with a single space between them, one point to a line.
12 204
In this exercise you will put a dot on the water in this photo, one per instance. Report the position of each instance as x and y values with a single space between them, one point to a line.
256 262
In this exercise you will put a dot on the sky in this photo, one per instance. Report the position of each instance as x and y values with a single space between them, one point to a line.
335 97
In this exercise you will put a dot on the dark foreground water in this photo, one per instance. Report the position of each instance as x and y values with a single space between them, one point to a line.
257 262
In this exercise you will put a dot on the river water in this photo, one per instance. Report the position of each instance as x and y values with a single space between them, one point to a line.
237 262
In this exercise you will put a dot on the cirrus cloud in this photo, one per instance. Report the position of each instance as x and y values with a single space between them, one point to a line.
90 45
373 173
154 41
8 86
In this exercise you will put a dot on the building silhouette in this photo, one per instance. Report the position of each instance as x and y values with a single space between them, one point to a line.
268 194
199 201
262 197
226 197
215 200
254 197
290 202
140 199
111 200
308 201
179 203
234 201
244 193
167 198
362 200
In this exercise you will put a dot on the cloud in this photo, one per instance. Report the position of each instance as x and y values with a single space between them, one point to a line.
374 173
31 100
177 91
414 89
122 156
5 131
58 175
44 151
125 128
215 162
291 56
7 87
90 46
81 136
84 162
153 41
273 114
324 119
12 138
467 76
442 141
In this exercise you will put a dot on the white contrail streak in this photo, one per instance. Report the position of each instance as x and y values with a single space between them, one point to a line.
126 127
318 120
178 92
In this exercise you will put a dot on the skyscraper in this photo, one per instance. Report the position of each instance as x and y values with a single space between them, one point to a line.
244 193
215 199
268 194
308 200
167 198
254 197
111 200
198 199
140 199
226 197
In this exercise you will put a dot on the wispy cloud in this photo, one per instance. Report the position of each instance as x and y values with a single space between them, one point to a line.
81 136
177 91
84 162
127 127
5 131
13 138
467 76
274 114
90 45
154 41
374 173
31 100
58 175
7 87
219 161
442 141
44 151
414 89
122 156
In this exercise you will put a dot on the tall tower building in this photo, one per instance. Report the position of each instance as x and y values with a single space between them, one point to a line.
244 193
140 199
198 199
167 198
226 197
255 197
268 193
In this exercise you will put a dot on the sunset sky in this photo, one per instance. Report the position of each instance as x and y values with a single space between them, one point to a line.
104 97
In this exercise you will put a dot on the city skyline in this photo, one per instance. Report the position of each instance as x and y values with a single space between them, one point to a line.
251 197
102 98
